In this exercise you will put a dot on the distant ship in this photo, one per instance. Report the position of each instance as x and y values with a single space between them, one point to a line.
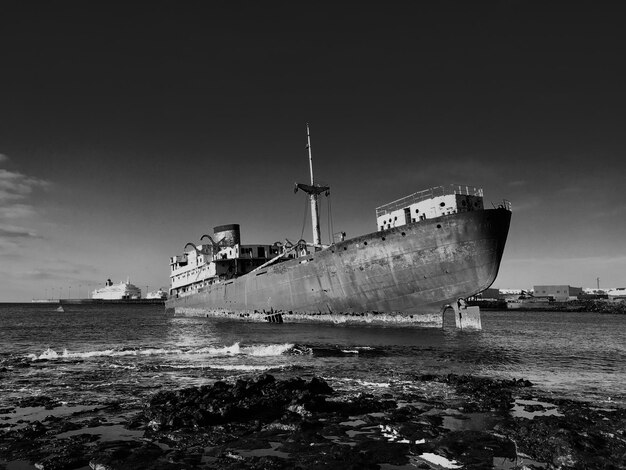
121 291
432 249
157 294
619 293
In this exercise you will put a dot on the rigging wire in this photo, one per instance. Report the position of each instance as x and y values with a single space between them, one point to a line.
306 205
331 230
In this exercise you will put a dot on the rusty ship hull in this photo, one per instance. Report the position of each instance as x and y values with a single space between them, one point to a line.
404 274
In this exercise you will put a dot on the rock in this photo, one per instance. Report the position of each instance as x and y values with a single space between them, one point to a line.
42 400
263 399
129 455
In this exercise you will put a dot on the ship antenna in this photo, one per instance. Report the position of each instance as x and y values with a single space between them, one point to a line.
308 146
313 190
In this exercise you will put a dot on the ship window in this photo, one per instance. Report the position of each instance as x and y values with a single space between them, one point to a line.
416 211
438 225
442 204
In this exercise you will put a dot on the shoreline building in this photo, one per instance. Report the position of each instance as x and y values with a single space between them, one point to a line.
560 293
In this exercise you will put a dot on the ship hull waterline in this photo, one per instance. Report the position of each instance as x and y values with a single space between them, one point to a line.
407 274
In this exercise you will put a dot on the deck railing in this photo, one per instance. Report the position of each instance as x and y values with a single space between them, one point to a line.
428 194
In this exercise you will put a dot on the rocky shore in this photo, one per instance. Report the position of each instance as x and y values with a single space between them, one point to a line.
263 422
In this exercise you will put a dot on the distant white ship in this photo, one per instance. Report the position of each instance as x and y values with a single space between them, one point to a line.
157 294
121 291
618 293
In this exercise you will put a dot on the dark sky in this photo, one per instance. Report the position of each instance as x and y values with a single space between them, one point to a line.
130 128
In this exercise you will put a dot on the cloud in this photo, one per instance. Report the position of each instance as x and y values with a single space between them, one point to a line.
73 273
15 190
15 186
16 211
40 274
12 232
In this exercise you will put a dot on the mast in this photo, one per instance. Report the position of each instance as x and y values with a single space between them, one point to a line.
313 190
315 215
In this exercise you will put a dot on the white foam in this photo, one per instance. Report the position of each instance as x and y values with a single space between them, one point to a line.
119 366
48 354
242 367
171 366
439 460
268 350
350 351
224 351
374 384
233 350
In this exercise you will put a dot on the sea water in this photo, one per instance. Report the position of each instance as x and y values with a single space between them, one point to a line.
93 354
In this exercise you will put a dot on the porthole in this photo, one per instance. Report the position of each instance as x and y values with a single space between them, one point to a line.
364 243
416 211
438 225
442 204
345 248
403 234
383 239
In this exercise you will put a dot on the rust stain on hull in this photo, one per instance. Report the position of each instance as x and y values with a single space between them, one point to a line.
400 274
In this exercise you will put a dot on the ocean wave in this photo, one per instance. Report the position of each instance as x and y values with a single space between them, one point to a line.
346 350
234 350
268 350
121 366
244 367
214 351
299 350
359 382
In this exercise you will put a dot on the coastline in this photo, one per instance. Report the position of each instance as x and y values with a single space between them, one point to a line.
94 302
591 306
444 421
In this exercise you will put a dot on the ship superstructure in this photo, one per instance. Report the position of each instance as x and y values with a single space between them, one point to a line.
121 291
